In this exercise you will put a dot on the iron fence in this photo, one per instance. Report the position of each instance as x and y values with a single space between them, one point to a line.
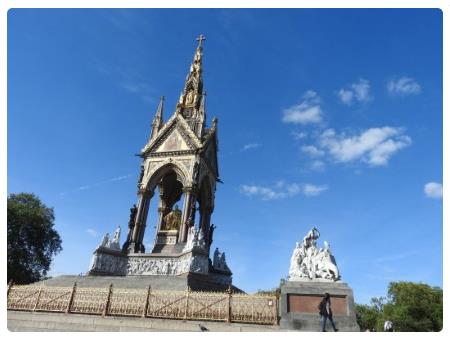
190 305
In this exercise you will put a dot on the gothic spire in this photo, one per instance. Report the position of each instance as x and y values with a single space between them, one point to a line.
158 119
191 96
200 117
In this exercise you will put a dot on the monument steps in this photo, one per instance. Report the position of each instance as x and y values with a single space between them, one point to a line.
44 321
176 283
169 249
160 282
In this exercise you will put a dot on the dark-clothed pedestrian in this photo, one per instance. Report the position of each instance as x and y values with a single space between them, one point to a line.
326 312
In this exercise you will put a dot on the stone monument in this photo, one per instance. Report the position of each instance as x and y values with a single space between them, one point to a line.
179 161
313 272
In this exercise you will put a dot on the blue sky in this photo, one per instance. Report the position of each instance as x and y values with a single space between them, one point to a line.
327 118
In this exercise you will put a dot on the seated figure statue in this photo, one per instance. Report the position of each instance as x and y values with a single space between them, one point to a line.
172 220
297 258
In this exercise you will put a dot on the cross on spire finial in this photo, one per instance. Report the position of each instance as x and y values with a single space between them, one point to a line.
200 39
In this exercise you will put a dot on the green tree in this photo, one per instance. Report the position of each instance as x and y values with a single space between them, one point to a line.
414 307
32 239
366 316
410 306
369 317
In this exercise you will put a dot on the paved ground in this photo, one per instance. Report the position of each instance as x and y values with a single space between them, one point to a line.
45 321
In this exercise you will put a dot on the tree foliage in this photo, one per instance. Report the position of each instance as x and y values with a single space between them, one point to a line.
367 317
410 306
32 239
414 307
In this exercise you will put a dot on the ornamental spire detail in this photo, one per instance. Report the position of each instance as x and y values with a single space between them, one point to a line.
158 123
191 96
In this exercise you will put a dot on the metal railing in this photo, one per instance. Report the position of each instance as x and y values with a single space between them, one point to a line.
191 305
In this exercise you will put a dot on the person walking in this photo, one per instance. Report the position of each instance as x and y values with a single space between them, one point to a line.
325 312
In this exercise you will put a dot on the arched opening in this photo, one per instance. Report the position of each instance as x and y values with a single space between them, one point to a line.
166 187
165 214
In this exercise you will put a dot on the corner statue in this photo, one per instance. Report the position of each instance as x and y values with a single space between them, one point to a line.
309 263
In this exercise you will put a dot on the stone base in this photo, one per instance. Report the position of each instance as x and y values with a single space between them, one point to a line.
299 302
175 283
21 321
107 262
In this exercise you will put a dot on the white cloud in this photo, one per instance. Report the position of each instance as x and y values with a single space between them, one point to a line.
129 79
281 190
433 190
361 90
314 190
266 193
249 146
313 151
317 165
346 96
92 232
307 111
299 135
94 185
374 146
395 257
358 91
136 87
404 86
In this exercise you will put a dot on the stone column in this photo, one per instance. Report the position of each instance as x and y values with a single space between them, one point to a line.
189 203
161 210
205 219
205 222
148 198
141 216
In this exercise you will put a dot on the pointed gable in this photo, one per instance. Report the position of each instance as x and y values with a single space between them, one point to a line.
176 135
173 142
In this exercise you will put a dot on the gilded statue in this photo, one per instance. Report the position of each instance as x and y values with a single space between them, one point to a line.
190 97
172 220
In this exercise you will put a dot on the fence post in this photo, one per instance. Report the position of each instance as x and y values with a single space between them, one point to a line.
38 298
10 284
108 300
277 306
72 296
230 292
147 301
187 302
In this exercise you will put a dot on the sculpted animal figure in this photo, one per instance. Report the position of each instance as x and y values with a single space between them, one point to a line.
326 264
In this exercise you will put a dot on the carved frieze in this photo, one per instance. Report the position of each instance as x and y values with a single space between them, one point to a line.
167 265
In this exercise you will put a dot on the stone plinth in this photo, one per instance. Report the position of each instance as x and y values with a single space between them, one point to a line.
195 282
299 305
192 267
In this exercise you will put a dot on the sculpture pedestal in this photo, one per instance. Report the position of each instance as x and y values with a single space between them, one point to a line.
299 305
194 263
